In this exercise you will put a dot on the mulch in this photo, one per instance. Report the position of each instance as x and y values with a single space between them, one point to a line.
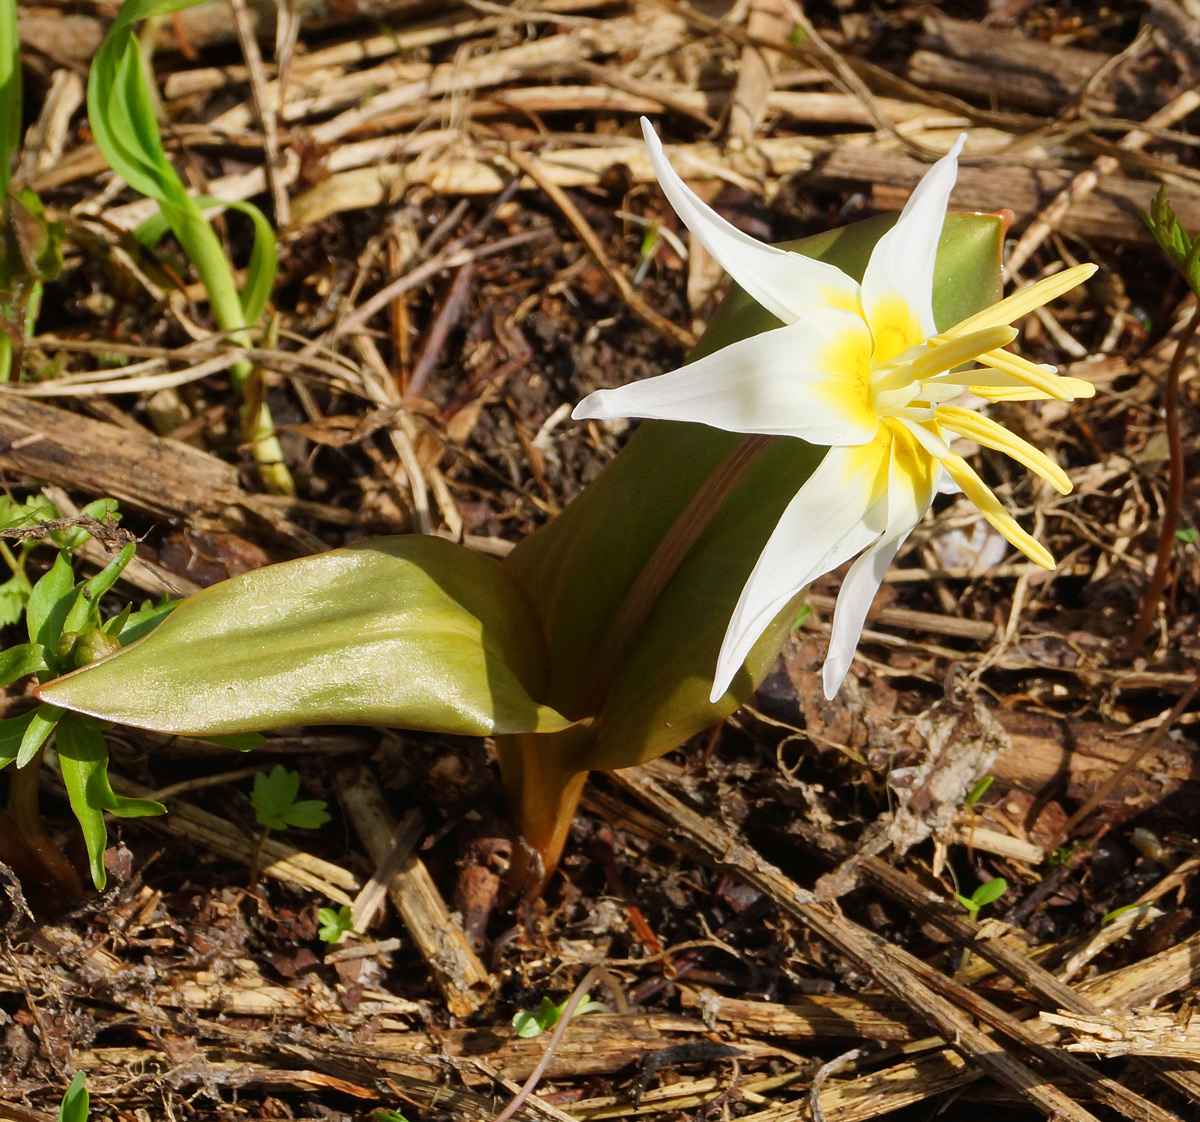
464 200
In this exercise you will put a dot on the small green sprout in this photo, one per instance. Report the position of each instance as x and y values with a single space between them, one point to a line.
334 923
527 1024
987 893
74 1105
276 808
385 1115
275 804
1187 536
1110 916
979 790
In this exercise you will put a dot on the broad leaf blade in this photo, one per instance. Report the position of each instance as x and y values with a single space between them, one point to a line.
408 631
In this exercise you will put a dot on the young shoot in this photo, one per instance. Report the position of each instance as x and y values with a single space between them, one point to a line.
122 114
276 807
528 1024
336 923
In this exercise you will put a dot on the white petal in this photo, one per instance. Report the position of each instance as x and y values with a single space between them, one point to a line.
810 380
787 284
912 483
897 287
838 511
853 602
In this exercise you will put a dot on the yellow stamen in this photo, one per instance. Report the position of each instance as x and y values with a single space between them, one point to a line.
985 431
1078 387
1021 303
989 506
1035 376
954 352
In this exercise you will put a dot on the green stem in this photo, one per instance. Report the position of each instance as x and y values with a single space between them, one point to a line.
204 249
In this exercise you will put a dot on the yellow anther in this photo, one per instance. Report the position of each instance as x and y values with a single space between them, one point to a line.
989 506
1021 303
985 431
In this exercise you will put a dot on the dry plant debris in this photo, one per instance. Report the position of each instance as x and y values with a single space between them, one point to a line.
471 241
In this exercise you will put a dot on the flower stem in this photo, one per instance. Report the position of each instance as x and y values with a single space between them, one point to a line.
656 574
23 805
1175 480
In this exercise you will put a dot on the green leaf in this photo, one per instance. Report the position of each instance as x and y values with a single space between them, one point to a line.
85 609
10 91
527 1024
1187 536
121 112
42 723
335 923
12 733
968 903
49 603
275 805
264 251
262 266
18 662
83 760
980 789
139 624
408 631
74 1106
989 892
14 593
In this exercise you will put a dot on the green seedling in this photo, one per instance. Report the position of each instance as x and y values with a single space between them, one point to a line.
277 808
527 1024
121 111
1187 536
66 631
979 790
384 1115
987 893
74 1105
335 923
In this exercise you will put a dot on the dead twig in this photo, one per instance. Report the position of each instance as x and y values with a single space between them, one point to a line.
620 281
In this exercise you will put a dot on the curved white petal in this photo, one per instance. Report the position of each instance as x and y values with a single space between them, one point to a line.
840 510
787 284
850 613
897 287
811 380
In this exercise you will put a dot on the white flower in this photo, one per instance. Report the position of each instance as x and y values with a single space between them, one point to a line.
861 368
